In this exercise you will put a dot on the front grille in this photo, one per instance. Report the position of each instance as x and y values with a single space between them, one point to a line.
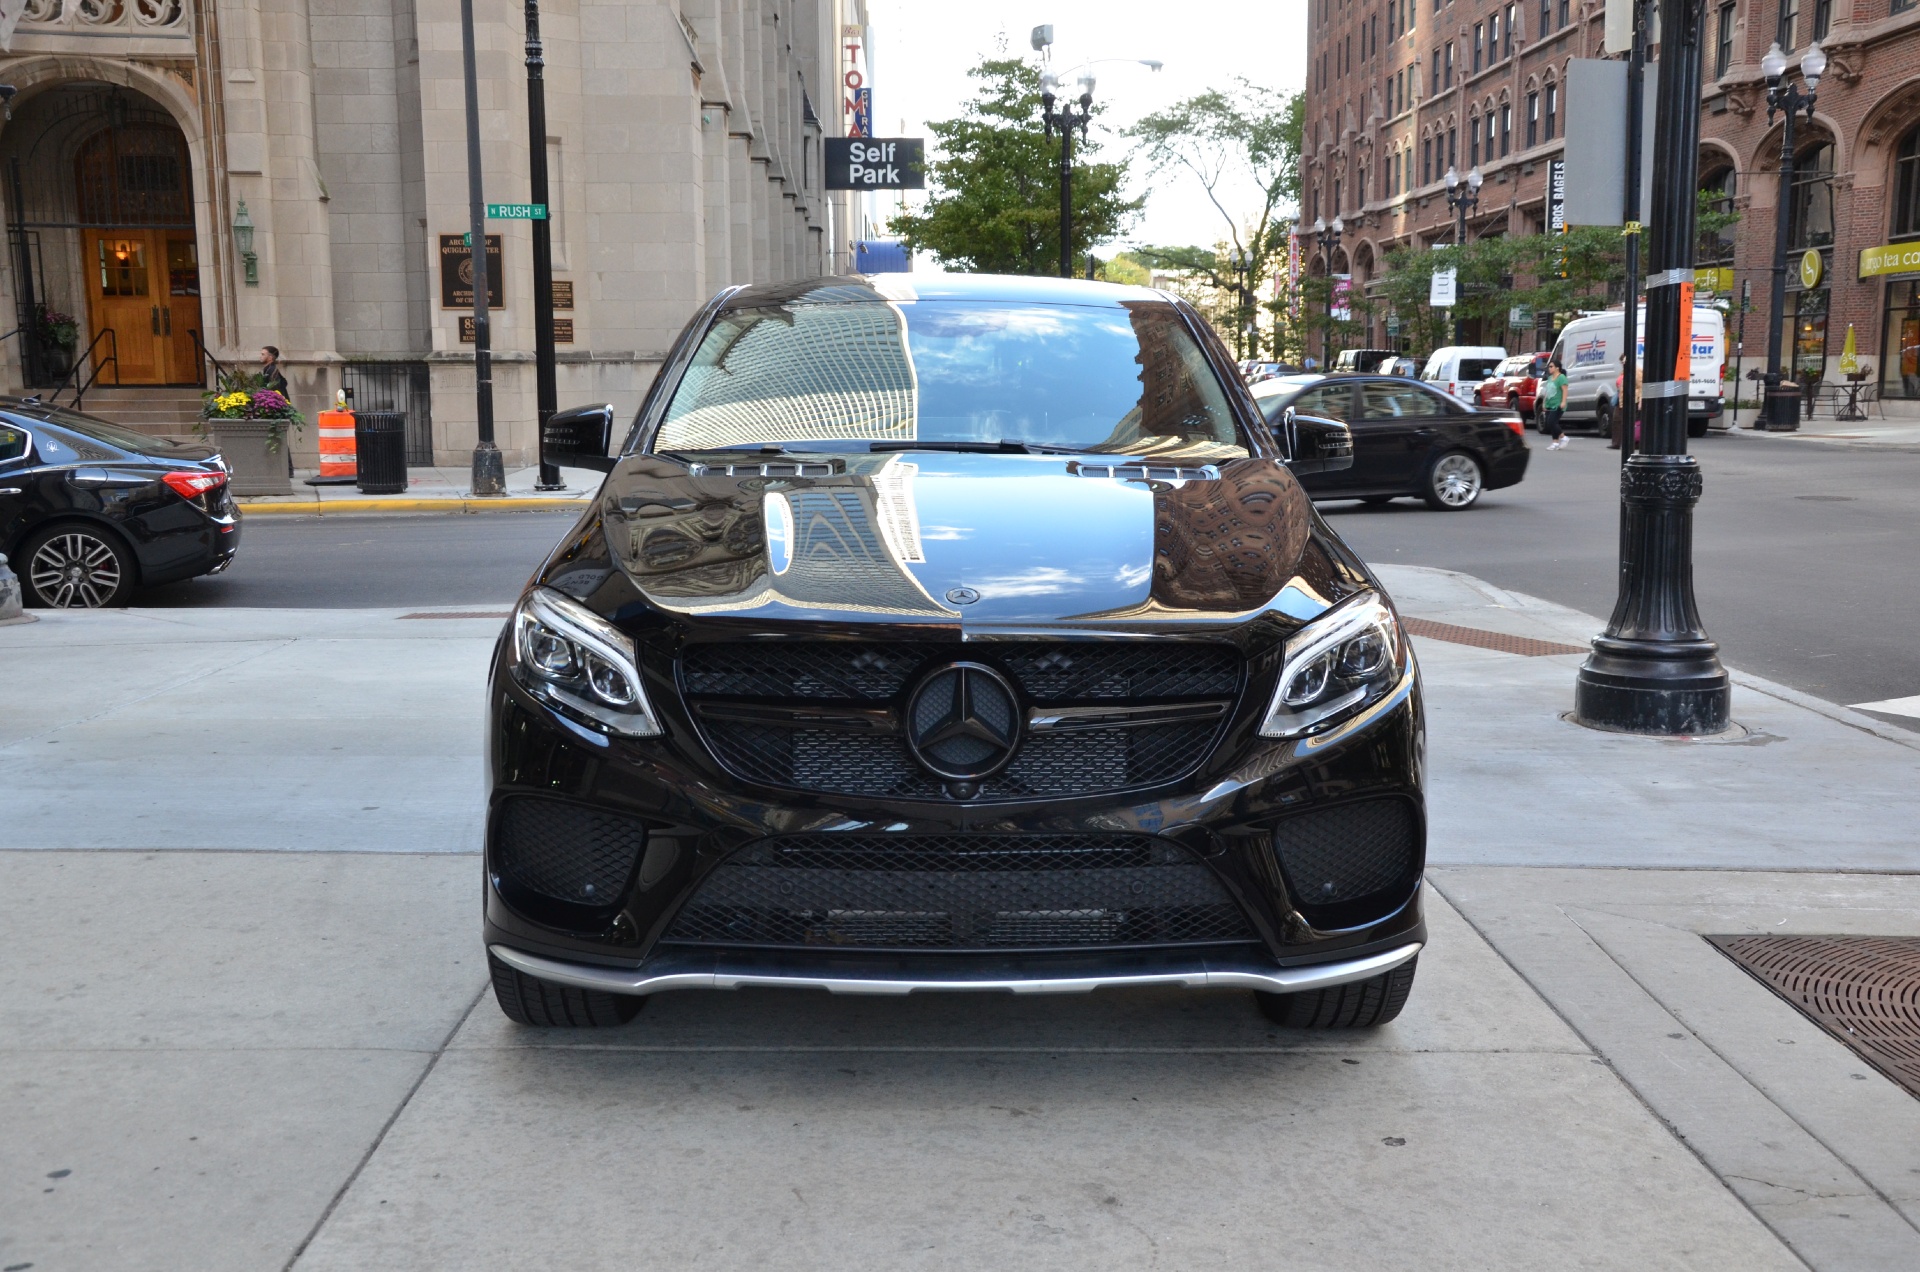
564 852
961 892
1350 853
803 756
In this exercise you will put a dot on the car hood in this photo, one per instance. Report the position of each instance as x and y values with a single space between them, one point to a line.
960 541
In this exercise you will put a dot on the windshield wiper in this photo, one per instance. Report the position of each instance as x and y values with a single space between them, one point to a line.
1005 446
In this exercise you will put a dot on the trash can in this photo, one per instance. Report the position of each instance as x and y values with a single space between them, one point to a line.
380 450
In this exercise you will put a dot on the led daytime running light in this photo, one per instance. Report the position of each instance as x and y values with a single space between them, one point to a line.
576 661
1345 658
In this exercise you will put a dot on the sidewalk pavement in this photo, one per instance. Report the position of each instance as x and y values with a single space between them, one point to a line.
1877 431
246 1026
429 490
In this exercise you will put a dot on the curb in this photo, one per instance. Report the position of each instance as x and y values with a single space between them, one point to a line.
340 507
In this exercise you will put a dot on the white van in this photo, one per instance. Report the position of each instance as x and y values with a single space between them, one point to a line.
1457 370
1589 348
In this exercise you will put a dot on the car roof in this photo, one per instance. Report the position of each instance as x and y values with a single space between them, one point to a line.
845 289
1285 383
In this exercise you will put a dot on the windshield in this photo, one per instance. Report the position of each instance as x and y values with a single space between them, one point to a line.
1123 379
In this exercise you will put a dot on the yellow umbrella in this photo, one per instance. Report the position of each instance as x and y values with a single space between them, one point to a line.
1849 356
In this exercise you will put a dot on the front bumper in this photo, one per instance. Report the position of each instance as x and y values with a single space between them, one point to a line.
707 970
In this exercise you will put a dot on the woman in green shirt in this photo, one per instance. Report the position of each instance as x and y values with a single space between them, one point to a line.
1553 399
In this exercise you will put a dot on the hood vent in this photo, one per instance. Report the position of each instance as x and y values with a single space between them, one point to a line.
1148 472
774 468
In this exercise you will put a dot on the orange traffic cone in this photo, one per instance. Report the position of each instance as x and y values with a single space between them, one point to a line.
339 462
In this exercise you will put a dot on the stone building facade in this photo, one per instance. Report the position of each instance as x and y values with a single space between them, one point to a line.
684 153
1398 91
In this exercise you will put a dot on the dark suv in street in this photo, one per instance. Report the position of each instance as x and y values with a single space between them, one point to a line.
963 633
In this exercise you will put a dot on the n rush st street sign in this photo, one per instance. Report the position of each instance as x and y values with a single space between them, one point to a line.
876 163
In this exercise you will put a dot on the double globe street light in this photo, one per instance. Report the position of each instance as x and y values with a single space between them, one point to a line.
1782 410
1328 236
1065 119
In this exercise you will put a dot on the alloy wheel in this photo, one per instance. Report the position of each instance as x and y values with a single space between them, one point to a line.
1456 480
75 570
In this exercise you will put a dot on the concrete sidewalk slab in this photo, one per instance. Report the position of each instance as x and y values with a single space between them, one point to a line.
1119 1129
1823 1149
198 1049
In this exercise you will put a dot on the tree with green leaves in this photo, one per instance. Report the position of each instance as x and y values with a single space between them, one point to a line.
1220 139
995 207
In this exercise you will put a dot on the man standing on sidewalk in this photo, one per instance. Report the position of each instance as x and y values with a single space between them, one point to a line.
270 377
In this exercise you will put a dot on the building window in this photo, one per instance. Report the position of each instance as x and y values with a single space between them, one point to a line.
1448 81
1822 18
1546 18
1789 24
1553 110
1533 120
1563 13
1506 129
1313 203
1426 161
1479 43
1337 205
1493 38
1716 246
1901 6
1453 150
1490 135
1810 215
1723 40
1473 141
1513 20
1436 70
1906 188
1393 19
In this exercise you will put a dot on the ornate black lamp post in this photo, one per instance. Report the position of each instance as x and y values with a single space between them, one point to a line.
489 470
1782 411
545 387
1654 670
1329 239
1462 197
1065 120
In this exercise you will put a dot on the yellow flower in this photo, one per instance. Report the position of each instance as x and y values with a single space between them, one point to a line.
231 401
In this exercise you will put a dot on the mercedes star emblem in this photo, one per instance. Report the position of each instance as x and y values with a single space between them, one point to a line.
962 595
963 722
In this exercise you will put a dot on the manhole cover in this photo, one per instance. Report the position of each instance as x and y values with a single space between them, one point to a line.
1864 990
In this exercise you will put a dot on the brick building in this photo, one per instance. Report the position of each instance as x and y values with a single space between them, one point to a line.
1398 91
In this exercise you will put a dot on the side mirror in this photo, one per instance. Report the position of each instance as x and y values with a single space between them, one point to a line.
1315 445
579 438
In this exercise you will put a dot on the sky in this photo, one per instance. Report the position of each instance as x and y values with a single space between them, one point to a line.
922 49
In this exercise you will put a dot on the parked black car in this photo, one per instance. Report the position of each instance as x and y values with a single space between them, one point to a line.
1408 439
89 510
954 633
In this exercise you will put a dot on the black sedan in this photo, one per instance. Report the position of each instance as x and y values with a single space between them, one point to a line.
1408 439
89 510
952 633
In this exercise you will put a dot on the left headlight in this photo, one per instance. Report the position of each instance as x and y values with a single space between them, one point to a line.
570 657
1346 658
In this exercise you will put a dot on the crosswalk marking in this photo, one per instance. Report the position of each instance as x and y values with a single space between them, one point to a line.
1893 706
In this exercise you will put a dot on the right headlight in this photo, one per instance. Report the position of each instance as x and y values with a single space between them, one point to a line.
574 660
1346 658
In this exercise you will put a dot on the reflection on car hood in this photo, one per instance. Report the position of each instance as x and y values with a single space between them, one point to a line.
962 540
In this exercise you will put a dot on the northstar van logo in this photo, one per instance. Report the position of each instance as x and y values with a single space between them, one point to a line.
1589 351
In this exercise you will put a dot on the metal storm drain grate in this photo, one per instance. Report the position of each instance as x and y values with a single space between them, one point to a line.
1864 990
1525 646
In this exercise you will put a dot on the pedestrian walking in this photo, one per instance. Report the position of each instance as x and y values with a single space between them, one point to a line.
270 376
1553 400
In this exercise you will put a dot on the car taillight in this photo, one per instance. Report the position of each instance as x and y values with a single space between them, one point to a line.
193 485
1518 425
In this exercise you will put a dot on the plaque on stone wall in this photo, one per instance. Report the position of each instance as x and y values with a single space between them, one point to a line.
563 331
563 293
456 273
466 328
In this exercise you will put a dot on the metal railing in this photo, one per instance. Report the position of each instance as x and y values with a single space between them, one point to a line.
81 383
222 373
395 386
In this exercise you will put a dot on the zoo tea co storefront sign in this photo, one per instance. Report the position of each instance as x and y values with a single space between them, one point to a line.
1890 258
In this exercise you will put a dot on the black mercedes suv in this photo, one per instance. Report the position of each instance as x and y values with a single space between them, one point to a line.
952 633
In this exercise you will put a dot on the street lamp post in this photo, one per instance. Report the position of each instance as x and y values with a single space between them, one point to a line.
1654 671
489 475
1066 119
1242 262
1462 197
546 389
1329 239
1782 409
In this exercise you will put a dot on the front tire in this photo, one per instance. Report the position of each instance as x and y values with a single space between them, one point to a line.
1360 1005
74 565
527 1001
1454 482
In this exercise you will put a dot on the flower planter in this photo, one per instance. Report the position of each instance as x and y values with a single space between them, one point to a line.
258 467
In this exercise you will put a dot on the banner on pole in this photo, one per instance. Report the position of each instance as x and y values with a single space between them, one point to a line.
1441 292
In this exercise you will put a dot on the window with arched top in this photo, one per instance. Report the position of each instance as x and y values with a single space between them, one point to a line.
134 175
1906 186
1717 189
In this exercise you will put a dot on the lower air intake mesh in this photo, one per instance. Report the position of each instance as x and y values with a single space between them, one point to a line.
961 892
1349 853
565 852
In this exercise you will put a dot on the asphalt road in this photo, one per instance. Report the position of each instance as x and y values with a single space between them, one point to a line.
1804 560
1804 555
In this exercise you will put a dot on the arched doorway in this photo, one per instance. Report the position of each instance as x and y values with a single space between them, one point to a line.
101 210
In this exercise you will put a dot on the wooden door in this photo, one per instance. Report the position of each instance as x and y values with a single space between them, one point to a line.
126 287
180 307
